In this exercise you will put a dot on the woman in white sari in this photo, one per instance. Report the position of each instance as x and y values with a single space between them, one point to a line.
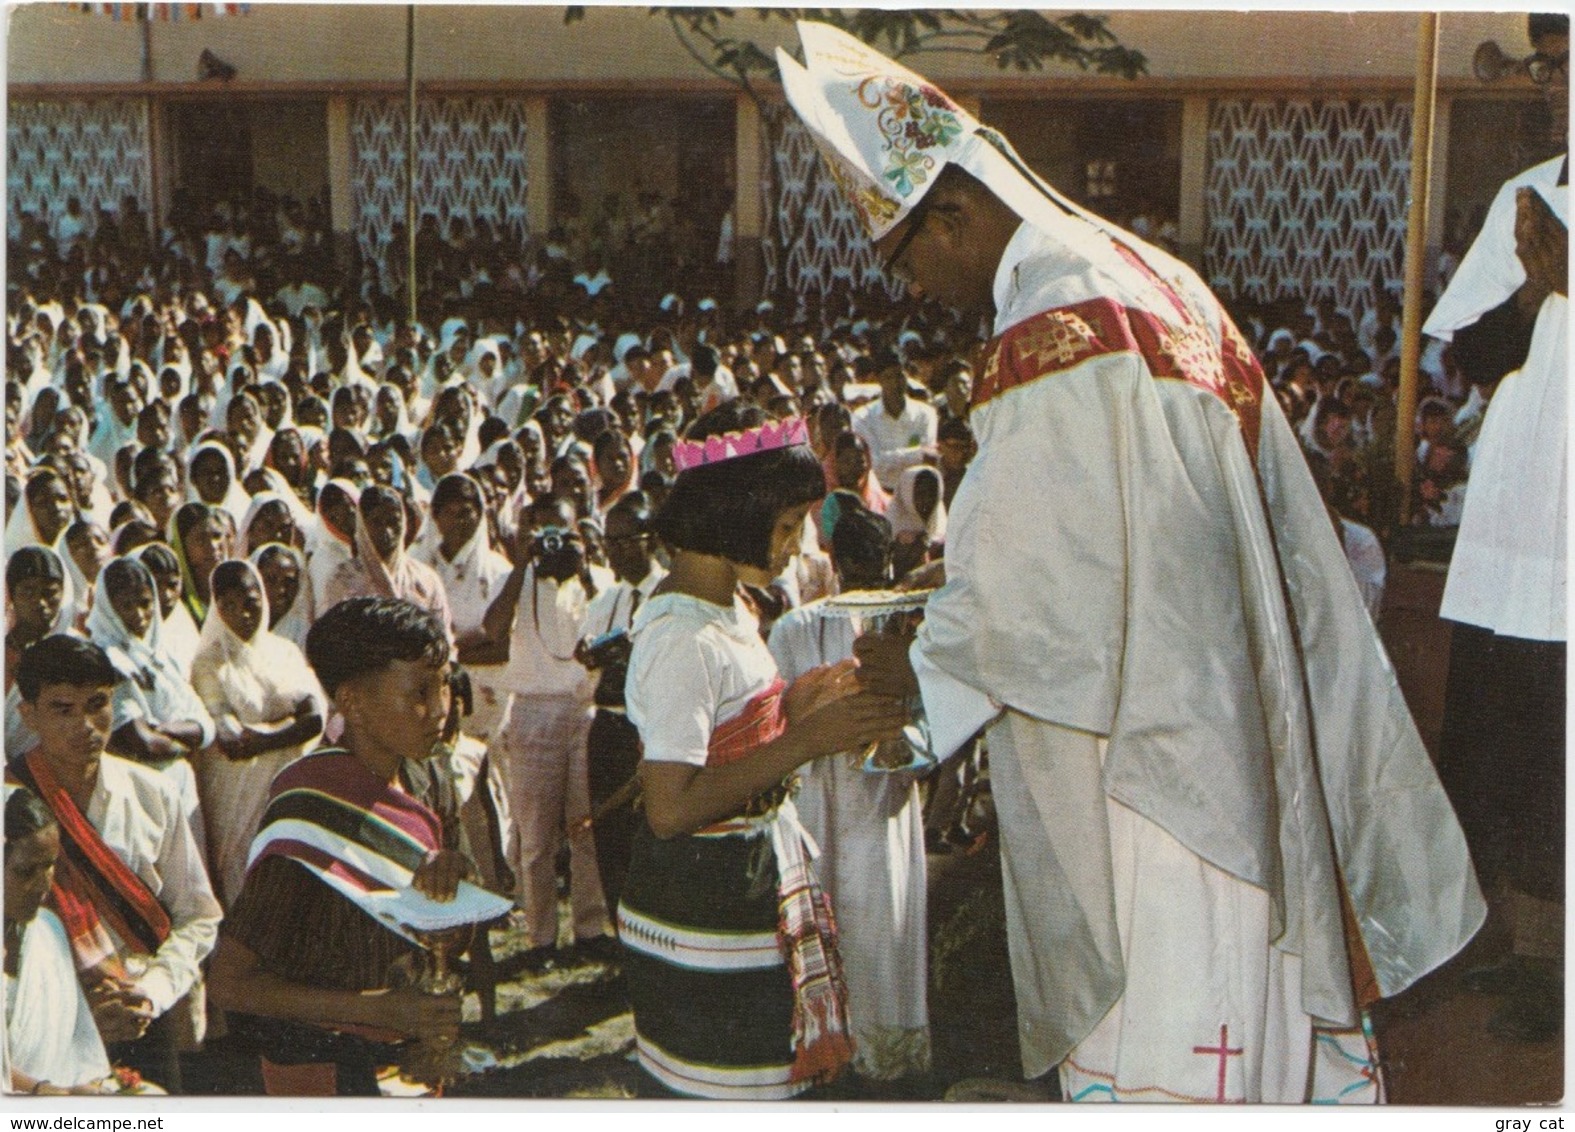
180 630
283 570
268 708
52 1047
454 543
158 719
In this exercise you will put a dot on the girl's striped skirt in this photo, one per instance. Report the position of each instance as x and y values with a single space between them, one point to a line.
712 997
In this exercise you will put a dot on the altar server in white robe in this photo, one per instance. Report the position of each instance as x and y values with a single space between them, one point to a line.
870 829
1177 844
1502 747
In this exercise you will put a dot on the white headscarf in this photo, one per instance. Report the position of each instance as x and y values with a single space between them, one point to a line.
305 520
259 501
326 548
235 500
77 582
403 426
476 573
261 679
65 616
904 516
274 368
153 677
179 628
111 434
181 364
21 530
294 622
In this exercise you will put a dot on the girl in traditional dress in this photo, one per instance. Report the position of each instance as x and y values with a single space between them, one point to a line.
267 707
730 948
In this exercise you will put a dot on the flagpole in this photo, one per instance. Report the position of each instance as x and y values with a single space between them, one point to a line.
410 161
1422 107
147 43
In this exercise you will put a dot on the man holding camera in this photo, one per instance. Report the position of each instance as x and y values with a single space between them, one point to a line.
542 742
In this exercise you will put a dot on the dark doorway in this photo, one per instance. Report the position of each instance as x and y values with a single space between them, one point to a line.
641 186
213 152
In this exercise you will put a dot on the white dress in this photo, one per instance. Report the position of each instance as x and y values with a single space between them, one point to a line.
245 683
870 829
49 1030
1508 571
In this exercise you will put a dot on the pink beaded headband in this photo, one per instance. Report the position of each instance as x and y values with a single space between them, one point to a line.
714 449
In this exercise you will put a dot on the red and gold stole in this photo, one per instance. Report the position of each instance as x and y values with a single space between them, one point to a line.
1179 347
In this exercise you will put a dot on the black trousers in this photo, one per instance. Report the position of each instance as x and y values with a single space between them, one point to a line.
1501 757
613 756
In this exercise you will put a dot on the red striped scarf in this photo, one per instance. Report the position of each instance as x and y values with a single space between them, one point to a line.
93 886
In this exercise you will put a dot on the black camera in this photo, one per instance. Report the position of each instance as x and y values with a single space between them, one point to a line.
557 553
608 650
549 541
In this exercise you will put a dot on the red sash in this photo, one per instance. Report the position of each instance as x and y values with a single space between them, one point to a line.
91 881
759 723
1179 348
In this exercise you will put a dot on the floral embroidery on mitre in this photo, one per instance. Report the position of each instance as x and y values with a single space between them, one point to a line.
772 435
912 118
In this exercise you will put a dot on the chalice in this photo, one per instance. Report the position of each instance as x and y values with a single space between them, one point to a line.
437 1061
895 612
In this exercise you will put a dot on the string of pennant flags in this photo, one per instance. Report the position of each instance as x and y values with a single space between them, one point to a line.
164 12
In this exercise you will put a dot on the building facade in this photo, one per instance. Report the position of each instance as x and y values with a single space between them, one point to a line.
1272 148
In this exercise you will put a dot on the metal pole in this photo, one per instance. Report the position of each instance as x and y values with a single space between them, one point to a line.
147 43
410 161
1422 107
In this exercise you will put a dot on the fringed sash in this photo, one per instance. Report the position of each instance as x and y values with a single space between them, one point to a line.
364 839
807 934
806 929
330 813
93 886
